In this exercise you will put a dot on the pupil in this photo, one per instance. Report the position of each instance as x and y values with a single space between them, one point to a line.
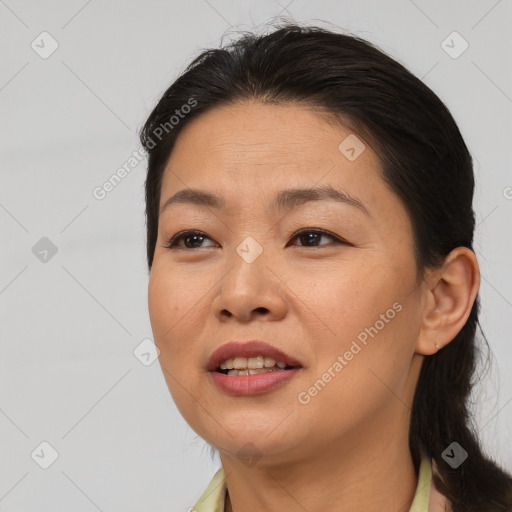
309 237
196 237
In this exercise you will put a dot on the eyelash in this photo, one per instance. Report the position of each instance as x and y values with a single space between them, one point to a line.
172 243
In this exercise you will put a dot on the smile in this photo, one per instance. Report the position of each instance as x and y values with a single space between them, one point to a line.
250 367
239 366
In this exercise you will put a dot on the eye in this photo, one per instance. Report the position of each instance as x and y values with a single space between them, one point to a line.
309 236
192 240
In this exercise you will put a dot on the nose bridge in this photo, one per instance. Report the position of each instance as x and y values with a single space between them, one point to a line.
250 284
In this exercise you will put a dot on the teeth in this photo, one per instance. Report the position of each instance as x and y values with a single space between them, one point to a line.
240 362
269 362
255 362
258 370
255 371
227 365
251 363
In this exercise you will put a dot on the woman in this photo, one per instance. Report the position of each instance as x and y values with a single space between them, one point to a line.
313 288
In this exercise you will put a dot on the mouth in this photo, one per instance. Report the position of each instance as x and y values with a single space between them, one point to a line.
238 366
252 357
252 367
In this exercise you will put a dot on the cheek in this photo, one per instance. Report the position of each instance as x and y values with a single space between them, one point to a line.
163 308
349 299
370 320
173 304
173 309
352 379
173 295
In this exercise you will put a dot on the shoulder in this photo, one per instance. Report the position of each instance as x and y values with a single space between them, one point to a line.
213 498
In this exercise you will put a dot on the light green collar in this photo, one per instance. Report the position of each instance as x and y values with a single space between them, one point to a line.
214 497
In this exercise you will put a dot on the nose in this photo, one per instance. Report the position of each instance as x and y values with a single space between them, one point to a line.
250 290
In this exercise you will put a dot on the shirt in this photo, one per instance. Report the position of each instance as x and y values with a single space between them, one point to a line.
426 496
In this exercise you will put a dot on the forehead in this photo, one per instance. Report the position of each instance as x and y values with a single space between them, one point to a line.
254 145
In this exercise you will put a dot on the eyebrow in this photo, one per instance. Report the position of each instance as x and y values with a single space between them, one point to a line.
284 199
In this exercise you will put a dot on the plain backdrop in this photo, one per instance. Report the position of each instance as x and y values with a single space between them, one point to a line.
77 80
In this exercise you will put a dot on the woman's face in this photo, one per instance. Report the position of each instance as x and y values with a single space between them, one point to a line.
345 307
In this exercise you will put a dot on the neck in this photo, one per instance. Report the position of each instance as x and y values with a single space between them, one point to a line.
355 474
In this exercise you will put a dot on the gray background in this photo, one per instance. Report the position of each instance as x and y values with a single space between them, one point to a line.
69 324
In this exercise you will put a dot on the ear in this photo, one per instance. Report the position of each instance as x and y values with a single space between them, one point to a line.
449 294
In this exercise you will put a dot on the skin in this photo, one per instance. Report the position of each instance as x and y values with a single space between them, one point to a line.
347 449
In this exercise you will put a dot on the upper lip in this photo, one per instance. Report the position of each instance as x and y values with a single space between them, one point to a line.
250 348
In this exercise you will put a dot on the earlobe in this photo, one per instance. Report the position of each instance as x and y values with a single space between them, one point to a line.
450 293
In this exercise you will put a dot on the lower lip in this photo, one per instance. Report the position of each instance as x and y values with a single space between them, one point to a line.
252 384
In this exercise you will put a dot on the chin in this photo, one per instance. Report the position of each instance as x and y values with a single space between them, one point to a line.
252 440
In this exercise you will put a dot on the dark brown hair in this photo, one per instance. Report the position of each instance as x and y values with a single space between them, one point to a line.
424 160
